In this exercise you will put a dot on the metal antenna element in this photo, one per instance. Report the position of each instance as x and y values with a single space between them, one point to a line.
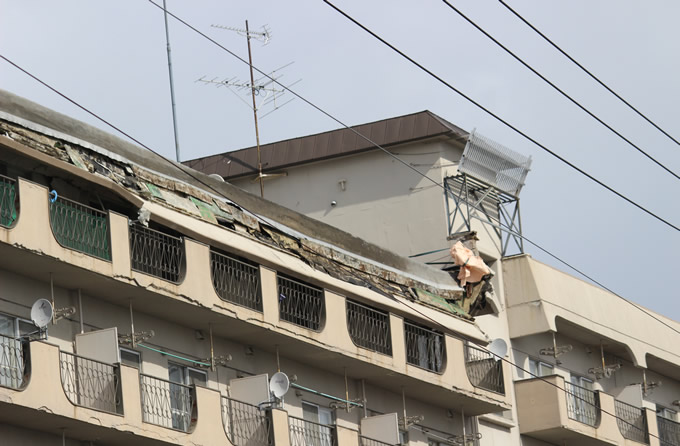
172 83
261 88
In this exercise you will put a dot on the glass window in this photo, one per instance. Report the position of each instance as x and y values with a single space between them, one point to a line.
540 368
666 413
131 358
315 434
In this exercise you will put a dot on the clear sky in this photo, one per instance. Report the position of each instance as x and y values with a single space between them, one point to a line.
111 57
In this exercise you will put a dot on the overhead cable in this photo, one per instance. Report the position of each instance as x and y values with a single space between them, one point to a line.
499 119
559 90
585 70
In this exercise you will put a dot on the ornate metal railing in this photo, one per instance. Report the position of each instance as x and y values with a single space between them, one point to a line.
484 370
8 194
80 227
424 347
167 404
669 431
300 303
583 405
236 281
365 441
13 361
369 328
309 433
245 424
90 383
632 422
155 253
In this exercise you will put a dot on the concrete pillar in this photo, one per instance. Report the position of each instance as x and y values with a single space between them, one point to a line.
280 427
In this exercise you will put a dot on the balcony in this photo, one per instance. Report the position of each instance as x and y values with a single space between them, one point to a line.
156 253
14 362
236 281
484 370
425 348
309 433
89 383
8 194
300 303
669 431
365 441
245 424
369 328
556 412
167 404
632 422
80 227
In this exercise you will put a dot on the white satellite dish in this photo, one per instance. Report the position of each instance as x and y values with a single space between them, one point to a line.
42 312
498 347
279 384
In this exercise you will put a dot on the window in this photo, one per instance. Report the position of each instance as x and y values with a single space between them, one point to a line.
583 403
131 358
668 414
319 434
540 368
180 394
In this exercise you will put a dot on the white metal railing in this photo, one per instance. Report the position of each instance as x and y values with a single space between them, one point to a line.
166 403
90 383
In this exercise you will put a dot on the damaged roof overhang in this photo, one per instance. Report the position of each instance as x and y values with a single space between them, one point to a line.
139 175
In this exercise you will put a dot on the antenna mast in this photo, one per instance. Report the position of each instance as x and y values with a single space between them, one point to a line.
257 130
172 83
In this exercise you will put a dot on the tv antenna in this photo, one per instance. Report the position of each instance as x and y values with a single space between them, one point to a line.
263 88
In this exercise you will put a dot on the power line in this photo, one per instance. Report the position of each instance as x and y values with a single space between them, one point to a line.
183 170
564 53
559 90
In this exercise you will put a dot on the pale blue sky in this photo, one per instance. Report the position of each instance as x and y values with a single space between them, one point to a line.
110 56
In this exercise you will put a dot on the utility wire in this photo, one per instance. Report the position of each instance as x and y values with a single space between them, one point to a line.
556 88
182 169
564 53
498 118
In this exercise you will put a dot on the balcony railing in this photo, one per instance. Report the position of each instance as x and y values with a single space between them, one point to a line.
424 347
583 405
369 328
155 253
632 422
484 370
13 360
365 441
80 227
167 404
236 281
89 383
245 424
300 303
669 431
8 194
309 433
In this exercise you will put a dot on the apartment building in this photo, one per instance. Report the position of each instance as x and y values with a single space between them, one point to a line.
169 306
592 369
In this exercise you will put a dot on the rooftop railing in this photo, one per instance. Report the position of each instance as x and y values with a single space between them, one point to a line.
365 441
80 227
632 422
369 328
157 254
309 433
669 431
13 361
8 194
167 404
484 370
424 347
583 405
245 424
89 383
236 281
300 304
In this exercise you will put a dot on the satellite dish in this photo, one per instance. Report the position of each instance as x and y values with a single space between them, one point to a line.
498 347
217 176
42 312
279 384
